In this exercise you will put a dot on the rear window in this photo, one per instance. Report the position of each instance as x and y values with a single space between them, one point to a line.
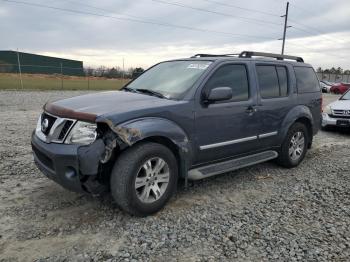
273 81
306 80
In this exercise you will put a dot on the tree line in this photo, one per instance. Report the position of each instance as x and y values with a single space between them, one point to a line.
333 70
113 72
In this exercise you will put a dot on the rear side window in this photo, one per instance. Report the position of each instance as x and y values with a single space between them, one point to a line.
306 80
233 76
273 81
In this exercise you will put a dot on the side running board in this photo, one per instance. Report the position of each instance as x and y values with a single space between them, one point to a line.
230 165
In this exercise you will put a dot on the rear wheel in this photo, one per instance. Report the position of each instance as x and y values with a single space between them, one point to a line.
294 146
144 178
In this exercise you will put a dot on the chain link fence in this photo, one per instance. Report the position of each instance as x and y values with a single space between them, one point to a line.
334 78
60 77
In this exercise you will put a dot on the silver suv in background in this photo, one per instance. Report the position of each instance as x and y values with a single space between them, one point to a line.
337 114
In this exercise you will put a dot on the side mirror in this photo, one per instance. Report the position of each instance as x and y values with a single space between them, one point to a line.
219 94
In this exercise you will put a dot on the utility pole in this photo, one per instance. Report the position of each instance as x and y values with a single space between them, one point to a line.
61 76
123 69
285 27
19 69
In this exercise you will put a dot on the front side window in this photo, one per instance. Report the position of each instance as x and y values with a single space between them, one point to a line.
233 76
306 80
273 81
171 79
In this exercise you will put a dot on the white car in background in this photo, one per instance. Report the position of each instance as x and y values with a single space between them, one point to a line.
337 113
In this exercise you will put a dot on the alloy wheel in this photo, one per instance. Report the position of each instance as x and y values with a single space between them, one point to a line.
152 180
297 146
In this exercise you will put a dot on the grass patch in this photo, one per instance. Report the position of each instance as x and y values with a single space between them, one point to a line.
55 82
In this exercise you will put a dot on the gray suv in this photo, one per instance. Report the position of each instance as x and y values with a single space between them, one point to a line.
188 118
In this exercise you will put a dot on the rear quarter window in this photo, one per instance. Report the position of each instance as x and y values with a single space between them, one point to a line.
306 80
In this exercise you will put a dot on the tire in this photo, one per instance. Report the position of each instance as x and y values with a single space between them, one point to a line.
285 159
140 162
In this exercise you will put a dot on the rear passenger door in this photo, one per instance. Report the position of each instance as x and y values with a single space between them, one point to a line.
274 100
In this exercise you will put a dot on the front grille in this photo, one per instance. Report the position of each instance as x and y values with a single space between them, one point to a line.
55 129
340 116
341 113
43 158
65 129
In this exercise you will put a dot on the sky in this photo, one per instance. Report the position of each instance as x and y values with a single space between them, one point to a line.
144 32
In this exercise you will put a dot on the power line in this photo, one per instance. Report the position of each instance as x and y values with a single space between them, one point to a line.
308 12
136 20
314 31
246 19
315 51
109 11
242 8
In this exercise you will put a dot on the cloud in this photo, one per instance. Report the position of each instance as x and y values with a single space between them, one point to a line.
317 35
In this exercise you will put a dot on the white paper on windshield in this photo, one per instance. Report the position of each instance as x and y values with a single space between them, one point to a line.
198 66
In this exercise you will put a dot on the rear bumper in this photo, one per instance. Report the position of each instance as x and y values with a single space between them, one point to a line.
58 162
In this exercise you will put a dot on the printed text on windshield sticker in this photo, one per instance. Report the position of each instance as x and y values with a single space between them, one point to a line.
198 66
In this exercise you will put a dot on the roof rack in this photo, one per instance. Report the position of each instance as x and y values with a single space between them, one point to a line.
249 54
210 55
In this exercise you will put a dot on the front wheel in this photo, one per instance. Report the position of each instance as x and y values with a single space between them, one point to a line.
294 146
144 178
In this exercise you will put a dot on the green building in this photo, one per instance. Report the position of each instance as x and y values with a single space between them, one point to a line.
10 61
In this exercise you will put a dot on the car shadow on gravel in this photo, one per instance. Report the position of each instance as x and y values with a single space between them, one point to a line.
337 130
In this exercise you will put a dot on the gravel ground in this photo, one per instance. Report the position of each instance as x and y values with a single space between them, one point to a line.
261 213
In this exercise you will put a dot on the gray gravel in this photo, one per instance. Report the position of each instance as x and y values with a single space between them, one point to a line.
261 213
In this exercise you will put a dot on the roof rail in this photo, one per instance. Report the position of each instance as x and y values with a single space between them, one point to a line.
249 54
210 55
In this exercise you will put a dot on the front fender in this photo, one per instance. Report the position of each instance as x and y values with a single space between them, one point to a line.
136 130
294 114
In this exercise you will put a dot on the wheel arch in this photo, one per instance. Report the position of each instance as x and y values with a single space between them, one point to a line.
300 114
158 130
306 121
167 142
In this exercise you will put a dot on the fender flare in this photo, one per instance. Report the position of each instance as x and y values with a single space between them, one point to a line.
293 115
136 130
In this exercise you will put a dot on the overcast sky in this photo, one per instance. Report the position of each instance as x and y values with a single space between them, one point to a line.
106 31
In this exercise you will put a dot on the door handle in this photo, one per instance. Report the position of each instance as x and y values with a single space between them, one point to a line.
250 110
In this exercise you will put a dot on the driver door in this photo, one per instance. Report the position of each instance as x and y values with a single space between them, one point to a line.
225 129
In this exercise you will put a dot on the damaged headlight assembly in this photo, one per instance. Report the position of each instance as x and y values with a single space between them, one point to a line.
82 133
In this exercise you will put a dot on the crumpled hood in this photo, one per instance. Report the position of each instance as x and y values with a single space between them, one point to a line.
102 105
340 105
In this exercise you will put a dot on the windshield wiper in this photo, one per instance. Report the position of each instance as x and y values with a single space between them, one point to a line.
128 89
151 92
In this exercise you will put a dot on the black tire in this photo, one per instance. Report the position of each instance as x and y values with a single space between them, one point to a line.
125 171
284 159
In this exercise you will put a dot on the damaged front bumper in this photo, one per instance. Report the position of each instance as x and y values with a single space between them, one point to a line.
75 167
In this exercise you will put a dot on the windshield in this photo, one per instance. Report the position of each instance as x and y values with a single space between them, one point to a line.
170 79
346 96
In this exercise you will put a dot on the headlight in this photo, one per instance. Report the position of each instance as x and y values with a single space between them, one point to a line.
327 110
82 133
